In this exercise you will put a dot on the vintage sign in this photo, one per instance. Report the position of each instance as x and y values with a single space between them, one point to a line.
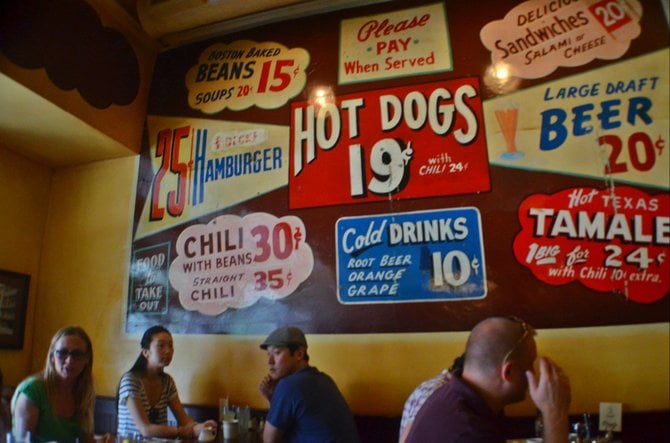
230 262
410 257
417 158
394 44
612 240
538 36
233 261
609 123
149 286
245 73
407 142
195 163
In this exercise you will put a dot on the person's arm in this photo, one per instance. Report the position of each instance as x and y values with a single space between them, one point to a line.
106 438
26 415
148 429
405 431
271 434
551 394
185 422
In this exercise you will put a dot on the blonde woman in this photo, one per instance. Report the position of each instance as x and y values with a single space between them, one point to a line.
57 403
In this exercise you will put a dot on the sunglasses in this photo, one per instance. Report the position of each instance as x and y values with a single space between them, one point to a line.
526 330
63 354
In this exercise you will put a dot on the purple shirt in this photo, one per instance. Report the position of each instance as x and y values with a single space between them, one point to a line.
456 413
419 396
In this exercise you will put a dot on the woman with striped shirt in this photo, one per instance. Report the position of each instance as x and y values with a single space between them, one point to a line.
146 391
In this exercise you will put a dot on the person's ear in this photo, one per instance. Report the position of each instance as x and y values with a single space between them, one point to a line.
301 353
506 371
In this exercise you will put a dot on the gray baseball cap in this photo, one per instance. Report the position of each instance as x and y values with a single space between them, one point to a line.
285 336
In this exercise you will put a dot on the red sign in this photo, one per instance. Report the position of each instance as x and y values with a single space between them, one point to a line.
609 239
401 143
610 14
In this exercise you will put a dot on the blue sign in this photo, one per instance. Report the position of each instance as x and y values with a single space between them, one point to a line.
411 257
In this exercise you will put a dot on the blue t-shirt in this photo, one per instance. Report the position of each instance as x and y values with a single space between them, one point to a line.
50 427
307 407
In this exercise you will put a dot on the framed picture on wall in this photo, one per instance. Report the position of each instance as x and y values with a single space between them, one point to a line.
13 303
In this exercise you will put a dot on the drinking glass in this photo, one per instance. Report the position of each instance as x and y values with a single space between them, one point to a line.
507 117
244 415
223 408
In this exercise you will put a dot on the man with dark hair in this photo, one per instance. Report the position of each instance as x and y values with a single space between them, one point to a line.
305 404
498 370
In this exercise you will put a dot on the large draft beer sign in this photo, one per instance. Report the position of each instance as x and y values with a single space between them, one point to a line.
409 168
609 123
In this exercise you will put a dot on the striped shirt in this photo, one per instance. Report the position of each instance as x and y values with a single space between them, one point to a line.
131 386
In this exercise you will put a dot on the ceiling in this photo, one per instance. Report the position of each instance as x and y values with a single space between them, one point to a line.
37 129
41 131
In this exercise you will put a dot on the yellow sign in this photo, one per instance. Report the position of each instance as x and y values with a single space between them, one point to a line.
395 44
609 123
202 166
246 73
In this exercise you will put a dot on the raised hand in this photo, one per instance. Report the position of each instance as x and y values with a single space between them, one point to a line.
550 391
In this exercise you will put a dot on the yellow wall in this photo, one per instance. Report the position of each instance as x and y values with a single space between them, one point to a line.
24 196
82 278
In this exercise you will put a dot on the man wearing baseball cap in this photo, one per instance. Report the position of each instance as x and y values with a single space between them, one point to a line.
305 403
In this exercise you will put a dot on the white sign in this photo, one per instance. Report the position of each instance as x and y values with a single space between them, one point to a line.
610 417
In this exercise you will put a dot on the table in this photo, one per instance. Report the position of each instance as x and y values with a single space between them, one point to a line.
249 437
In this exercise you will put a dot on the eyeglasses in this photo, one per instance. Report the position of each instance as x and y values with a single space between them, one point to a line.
63 354
526 331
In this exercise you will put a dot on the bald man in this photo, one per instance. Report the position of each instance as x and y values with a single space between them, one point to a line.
498 370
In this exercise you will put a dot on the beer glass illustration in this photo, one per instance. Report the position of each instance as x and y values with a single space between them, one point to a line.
507 117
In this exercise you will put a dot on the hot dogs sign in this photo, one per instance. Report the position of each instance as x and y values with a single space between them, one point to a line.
419 141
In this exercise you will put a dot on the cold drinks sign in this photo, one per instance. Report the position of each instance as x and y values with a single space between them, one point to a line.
409 257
